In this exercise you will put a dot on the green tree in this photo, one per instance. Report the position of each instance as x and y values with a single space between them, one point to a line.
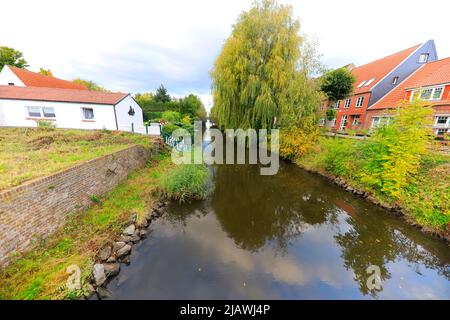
337 84
193 106
162 95
256 74
91 85
11 57
395 150
45 72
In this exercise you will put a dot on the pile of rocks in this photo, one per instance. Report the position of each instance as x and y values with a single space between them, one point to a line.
113 253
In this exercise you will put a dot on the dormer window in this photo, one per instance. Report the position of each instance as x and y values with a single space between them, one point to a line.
432 93
424 58
395 80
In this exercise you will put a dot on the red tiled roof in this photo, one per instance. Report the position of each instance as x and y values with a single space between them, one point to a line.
60 95
378 69
430 74
33 79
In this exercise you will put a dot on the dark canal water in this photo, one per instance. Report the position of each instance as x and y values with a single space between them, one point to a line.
288 236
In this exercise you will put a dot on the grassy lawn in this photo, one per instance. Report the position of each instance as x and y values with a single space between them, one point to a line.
41 274
28 153
426 197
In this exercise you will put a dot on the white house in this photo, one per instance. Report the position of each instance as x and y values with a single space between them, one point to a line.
27 97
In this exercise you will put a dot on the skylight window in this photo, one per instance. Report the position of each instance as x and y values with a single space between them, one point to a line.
369 82
424 58
361 84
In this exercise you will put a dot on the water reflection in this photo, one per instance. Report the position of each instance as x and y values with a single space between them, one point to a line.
288 236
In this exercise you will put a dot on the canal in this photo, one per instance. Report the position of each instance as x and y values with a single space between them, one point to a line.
288 236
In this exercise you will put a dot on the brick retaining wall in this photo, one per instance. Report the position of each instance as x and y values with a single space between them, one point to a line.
37 208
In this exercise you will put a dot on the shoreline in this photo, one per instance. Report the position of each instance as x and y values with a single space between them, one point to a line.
395 210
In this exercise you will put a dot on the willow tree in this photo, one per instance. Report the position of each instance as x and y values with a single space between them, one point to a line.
255 75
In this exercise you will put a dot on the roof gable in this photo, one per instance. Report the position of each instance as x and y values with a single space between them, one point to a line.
377 70
33 79
430 74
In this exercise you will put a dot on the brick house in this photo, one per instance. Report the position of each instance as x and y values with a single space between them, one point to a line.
431 82
373 81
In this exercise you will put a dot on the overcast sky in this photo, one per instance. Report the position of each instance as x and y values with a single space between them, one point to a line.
133 46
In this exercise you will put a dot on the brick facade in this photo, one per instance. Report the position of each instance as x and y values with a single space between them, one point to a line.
37 208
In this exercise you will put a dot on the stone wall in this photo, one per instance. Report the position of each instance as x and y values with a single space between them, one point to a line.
37 208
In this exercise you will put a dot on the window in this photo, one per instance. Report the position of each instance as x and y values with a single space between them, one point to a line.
88 114
423 58
356 120
343 122
361 84
322 121
34 112
441 121
426 94
10 83
337 104
333 122
369 82
131 111
380 121
431 93
395 80
360 101
347 103
48 112
441 131
437 93
38 112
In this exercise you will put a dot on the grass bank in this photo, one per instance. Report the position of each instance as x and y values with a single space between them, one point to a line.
41 274
425 195
28 153
186 182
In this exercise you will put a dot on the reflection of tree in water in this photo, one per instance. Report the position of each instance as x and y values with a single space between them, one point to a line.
371 241
255 209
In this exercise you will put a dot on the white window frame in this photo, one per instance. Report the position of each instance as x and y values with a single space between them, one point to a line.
395 80
347 103
443 131
41 112
337 104
360 102
433 91
356 118
442 125
322 121
379 120
83 114
426 57
343 122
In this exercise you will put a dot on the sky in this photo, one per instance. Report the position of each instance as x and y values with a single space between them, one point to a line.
134 46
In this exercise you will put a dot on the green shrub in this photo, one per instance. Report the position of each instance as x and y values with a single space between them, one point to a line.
394 151
171 116
340 156
169 128
188 181
45 124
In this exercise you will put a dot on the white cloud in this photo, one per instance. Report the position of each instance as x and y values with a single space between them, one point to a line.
136 45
